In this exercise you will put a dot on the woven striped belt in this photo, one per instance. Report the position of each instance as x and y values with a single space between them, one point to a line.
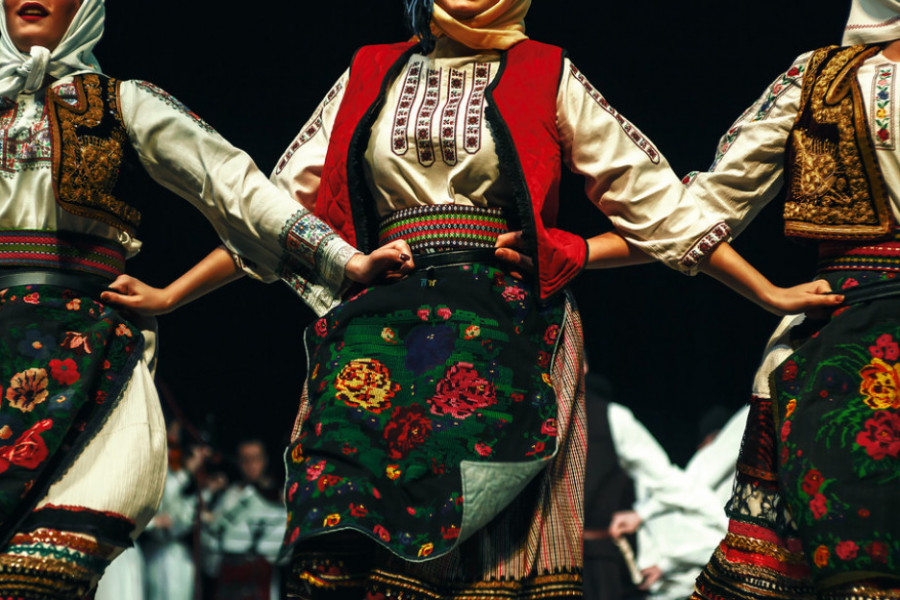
61 250
874 256
443 227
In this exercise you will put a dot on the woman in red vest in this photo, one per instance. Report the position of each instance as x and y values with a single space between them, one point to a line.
439 448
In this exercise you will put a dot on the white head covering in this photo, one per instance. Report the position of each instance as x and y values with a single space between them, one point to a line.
872 21
22 72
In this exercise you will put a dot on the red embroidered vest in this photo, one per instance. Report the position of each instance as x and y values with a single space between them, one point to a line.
521 114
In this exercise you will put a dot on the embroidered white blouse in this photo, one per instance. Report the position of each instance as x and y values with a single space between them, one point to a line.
748 169
185 155
431 144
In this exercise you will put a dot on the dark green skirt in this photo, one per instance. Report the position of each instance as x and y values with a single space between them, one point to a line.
430 408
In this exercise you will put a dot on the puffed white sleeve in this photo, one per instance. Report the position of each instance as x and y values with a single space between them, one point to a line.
272 235
627 177
299 170
748 168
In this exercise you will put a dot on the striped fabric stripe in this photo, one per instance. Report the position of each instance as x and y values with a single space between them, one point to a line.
61 250
443 227
880 256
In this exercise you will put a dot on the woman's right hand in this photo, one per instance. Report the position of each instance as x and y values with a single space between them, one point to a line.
133 294
391 261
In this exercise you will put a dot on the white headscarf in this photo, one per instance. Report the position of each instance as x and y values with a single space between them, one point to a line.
22 72
872 21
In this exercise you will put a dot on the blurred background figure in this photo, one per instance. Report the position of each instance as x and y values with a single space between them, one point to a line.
633 491
168 542
243 531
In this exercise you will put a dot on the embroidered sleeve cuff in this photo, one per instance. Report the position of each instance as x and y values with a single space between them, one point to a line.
332 258
705 245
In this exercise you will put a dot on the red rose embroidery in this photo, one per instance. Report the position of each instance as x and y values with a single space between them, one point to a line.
785 430
461 392
551 333
321 327
812 481
483 449
886 348
879 551
846 550
29 451
408 429
819 506
382 533
548 427
789 371
881 436
358 510
64 371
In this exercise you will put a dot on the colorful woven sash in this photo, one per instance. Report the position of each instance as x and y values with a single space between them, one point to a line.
874 256
443 227
61 250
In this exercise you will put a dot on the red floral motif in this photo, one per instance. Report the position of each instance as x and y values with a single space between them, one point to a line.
879 551
321 327
33 298
785 430
65 372
382 533
819 506
29 451
358 510
408 429
789 371
450 533
461 392
881 436
444 313
846 550
812 481
483 449
327 481
548 427
551 334
885 348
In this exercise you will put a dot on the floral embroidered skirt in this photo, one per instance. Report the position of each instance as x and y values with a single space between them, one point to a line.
813 512
65 362
434 440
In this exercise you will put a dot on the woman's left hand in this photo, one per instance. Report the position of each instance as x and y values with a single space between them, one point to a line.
138 297
812 298
391 261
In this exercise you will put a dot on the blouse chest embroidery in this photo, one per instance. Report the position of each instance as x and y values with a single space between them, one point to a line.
424 144
26 137
882 110
404 106
456 88
633 134
420 81
475 109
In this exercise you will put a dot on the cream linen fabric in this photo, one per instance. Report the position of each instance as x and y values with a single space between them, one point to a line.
871 22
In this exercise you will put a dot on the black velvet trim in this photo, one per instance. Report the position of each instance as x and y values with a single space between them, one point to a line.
106 528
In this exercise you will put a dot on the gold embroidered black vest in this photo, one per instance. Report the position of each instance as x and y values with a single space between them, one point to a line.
835 189
90 147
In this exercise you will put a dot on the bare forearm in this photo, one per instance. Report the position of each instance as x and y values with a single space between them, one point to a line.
215 270
609 250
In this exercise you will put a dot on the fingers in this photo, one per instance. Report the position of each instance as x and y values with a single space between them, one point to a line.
126 300
122 283
511 239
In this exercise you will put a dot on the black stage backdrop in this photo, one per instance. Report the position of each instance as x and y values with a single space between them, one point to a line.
682 71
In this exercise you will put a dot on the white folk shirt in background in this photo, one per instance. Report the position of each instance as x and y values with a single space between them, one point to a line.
748 170
431 144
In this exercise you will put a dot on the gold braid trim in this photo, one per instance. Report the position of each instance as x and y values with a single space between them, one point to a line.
746 544
89 142
835 187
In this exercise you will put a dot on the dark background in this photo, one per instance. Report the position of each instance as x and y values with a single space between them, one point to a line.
682 71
